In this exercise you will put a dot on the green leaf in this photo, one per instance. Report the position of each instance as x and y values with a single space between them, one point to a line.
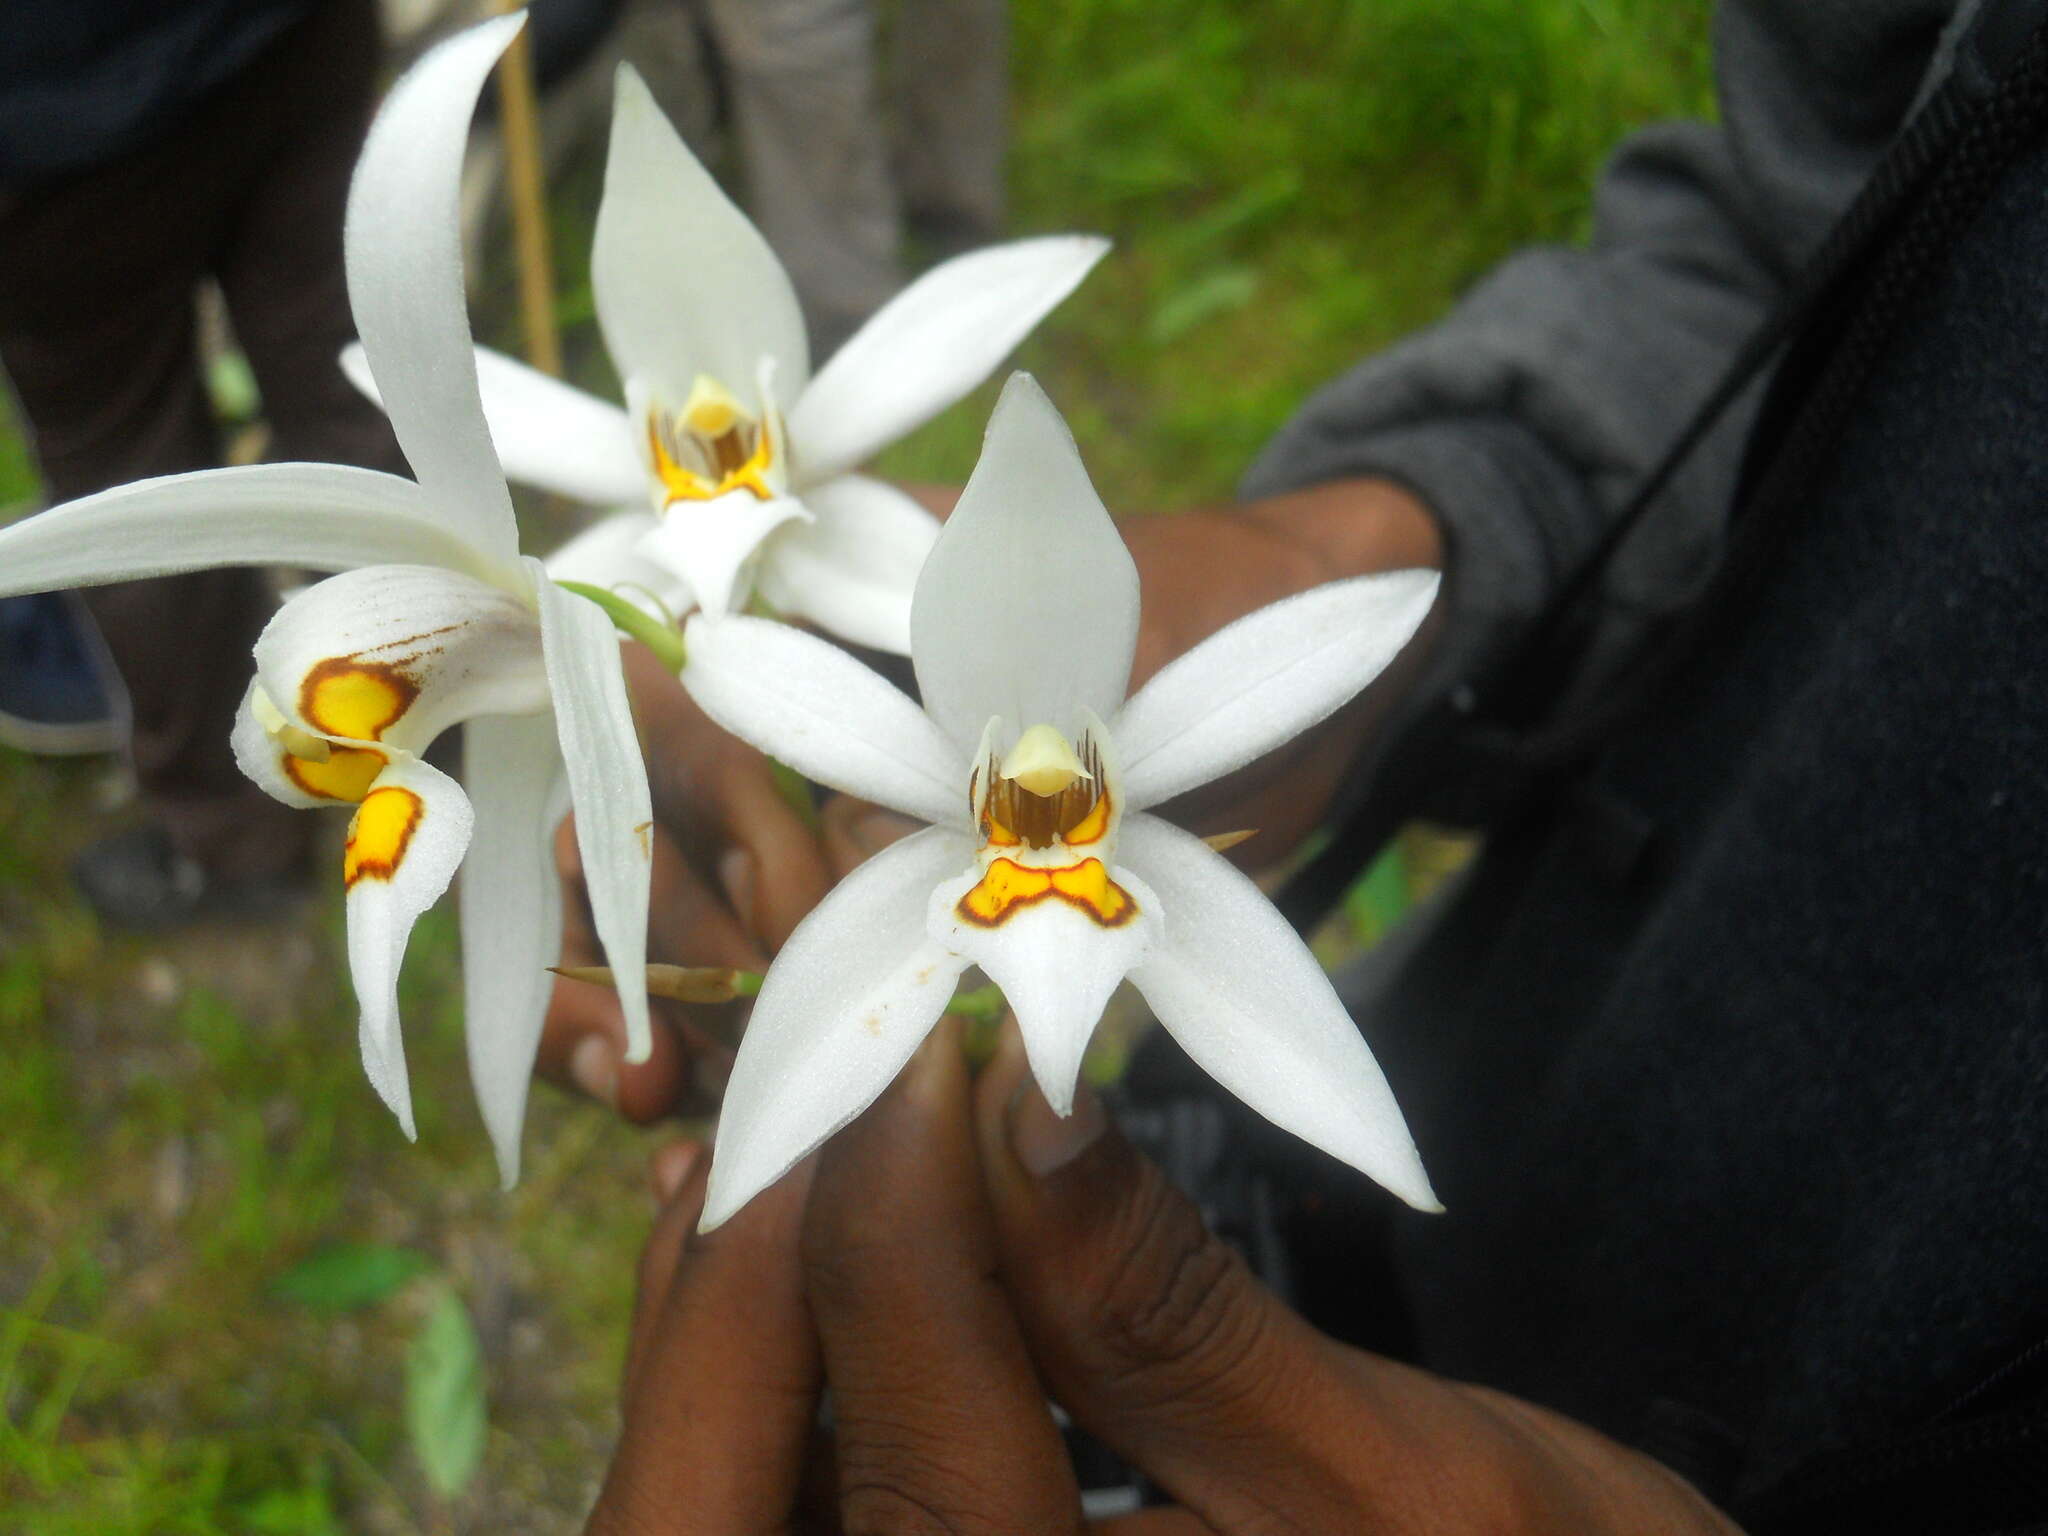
348 1276
1214 293
444 1395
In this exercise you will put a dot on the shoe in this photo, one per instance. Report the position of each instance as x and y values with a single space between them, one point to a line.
138 882
58 691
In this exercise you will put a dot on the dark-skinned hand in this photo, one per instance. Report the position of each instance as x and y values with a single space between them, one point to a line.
958 1255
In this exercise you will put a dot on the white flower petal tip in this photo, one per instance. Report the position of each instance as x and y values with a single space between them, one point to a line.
404 261
1265 679
1028 604
1234 984
931 344
849 999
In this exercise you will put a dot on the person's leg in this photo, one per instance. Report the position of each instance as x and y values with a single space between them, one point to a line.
950 79
814 144
280 258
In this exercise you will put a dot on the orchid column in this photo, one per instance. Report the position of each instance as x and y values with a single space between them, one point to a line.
1041 866
438 619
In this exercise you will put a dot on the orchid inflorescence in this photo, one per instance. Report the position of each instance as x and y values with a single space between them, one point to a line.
1041 866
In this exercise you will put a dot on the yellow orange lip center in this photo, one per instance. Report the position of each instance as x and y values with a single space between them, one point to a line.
1037 830
379 833
711 447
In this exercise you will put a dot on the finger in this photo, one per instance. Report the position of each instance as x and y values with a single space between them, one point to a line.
1149 1329
1155 1522
941 1422
677 1172
723 1374
583 1039
855 830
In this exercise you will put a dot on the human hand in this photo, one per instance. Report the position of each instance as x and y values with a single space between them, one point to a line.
959 1253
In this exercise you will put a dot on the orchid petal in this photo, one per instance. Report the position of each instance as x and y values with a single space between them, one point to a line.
684 284
403 845
544 432
608 787
1234 984
1028 605
1263 680
807 703
511 914
327 516
930 345
403 243
1057 966
609 554
852 994
853 569
707 544
398 653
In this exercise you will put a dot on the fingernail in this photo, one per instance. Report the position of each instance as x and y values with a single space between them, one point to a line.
878 829
736 874
1045 1143
594 1065
671 1168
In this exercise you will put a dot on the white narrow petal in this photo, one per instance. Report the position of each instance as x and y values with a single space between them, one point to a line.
404 843
1057 967
608 787
1028 605
398 653
511 914
852 570
327 516
930 345
403 244
807 703
709 544
545 432
1234 984
684 284
854 991
609 554
1263 680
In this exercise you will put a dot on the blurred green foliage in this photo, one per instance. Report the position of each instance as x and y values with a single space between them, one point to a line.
206 1308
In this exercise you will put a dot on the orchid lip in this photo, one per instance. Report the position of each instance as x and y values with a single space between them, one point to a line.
1046 815
713 446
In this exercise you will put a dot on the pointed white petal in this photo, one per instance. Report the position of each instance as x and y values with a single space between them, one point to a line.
1028 605
1057 967
404 843
404 254
327 516
1263 680
684 284
852 995
545 432
398 653
608 554
930 345
807 703
607 785
709 544
1234 984
852 570
511 914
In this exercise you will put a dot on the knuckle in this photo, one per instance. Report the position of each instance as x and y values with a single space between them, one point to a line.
899 1483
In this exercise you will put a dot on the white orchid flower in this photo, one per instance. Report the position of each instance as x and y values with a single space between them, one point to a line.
437 619
1041 865
741 454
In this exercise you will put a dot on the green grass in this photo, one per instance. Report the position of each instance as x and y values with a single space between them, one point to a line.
183 1127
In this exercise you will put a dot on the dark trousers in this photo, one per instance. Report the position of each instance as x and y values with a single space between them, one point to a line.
98 279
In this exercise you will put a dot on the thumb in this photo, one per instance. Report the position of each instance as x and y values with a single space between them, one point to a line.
1149 1329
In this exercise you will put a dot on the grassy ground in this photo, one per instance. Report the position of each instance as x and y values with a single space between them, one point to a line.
185 1134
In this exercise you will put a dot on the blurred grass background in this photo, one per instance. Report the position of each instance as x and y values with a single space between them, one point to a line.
219 1261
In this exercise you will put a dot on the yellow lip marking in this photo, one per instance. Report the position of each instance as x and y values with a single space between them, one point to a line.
1075 813
1007 887
343 696
345 775
719 426
379 833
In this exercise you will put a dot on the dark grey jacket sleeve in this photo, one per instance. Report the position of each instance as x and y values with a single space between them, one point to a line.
1529 414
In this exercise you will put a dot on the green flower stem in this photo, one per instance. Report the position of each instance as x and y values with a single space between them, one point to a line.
665 641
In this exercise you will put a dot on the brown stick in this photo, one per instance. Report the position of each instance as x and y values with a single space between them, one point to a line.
520 119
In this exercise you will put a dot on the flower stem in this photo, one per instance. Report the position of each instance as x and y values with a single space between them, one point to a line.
635 623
